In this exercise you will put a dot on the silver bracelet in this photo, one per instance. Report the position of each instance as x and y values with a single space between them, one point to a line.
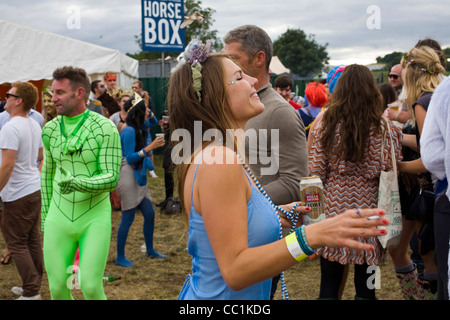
141 153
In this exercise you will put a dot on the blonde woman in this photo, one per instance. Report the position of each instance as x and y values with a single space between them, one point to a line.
422 73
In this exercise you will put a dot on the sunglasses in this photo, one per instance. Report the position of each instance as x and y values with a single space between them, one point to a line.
393 76
9 95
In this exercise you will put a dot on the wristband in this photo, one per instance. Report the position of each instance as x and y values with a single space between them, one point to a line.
294 247
141 153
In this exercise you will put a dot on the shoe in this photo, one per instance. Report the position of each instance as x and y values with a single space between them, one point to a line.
155 254
6 259
153 174
36 297
124 262
408 285
17 291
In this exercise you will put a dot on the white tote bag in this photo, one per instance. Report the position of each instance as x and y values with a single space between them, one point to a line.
389 200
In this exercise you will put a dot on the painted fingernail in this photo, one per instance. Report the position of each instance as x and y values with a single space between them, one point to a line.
385 221
383 231
381 212
307 208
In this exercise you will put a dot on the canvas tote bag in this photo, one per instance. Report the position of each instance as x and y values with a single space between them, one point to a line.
389 199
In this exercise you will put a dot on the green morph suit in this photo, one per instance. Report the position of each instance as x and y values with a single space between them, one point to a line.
81 166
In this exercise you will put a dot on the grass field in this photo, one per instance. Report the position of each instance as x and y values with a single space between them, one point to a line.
162 279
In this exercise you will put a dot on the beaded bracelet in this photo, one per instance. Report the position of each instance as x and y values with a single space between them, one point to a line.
301 238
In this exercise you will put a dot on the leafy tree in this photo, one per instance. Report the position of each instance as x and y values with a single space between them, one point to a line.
300 52
194 30
390 60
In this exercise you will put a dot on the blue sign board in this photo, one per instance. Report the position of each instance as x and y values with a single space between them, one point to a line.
161 21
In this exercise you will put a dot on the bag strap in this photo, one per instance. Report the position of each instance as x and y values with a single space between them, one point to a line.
394 162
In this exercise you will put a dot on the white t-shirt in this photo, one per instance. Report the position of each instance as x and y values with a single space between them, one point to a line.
23 135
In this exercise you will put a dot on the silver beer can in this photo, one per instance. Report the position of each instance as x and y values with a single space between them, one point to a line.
311 195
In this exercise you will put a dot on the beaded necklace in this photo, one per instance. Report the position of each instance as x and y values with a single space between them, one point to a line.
291 215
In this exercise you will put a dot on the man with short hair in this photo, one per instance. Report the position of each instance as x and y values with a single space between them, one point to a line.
109 104
138 87
110 79
97 88
81 167
21 146
283 85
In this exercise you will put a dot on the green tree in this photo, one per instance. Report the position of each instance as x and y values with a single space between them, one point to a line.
194 30
390 60
300 52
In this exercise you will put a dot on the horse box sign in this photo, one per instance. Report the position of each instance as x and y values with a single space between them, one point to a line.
161 21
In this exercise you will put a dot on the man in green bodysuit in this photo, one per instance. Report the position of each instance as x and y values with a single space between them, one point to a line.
82 156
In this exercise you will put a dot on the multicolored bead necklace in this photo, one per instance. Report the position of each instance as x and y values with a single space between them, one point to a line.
291 215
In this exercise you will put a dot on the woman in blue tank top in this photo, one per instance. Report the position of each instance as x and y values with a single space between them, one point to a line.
234 228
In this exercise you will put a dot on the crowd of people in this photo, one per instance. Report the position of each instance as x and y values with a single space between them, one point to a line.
342 130
79 158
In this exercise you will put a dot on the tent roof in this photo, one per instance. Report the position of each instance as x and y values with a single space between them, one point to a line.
31 54
277 67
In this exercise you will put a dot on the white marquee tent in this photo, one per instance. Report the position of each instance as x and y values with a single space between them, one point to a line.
31 54
277 67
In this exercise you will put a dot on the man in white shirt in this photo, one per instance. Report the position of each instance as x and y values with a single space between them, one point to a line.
21 146
435 154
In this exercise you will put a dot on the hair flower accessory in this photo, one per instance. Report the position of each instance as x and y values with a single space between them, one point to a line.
411 62
199 51
195 54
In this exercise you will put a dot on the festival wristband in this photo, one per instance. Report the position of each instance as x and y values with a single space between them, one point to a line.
294 247
141 153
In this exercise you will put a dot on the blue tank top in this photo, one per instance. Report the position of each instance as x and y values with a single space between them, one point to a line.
206 281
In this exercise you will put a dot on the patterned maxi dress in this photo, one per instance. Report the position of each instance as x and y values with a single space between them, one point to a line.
349 185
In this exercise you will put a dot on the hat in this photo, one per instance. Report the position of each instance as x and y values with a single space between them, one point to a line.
333 77
316 94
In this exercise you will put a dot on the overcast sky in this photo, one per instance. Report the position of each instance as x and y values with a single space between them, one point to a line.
356 31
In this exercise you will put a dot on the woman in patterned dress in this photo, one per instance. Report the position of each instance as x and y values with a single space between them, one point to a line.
346 155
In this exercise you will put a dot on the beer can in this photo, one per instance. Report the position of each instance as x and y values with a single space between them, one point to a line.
311 195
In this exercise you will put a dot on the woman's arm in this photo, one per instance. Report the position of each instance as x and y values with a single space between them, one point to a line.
415 166
221 192
129 145
409 140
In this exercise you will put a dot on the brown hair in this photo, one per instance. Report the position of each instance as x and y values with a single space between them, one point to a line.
388 93
28 92
77 78
283 81
434 45
356 105
185 107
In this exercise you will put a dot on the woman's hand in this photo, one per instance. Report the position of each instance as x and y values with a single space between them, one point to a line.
343 229
300 210
158 142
